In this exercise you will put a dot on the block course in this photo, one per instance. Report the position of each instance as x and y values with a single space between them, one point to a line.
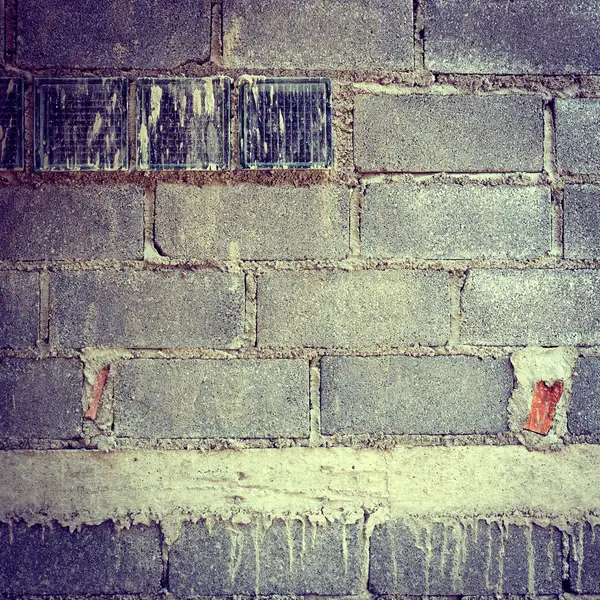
212 398
70 222
146 309
279 223
472 558
404 395
464 133
296 557
345 309
455 221
96 560
41 399
529 36
537 307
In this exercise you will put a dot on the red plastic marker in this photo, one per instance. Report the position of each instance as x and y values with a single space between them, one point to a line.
92 412
543 406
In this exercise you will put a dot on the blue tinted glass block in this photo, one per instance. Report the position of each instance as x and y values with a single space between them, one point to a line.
11 123
183 123
81 124
285 123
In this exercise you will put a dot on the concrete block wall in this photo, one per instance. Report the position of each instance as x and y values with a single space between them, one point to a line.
252 336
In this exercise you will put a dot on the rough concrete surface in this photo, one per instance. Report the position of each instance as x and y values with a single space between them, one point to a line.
577 135
584 409
539 307
478 557
522 36
581 222
99 559
68 222
350 34
293 556
252 222
360 308
212 398
427 395
325 483
19 309
463 133
455 221
146 309
122 33
40 399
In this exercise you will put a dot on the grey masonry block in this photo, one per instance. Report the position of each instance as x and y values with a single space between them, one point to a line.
455 221
582 221
98 559
252 222
70 222
461 133
405 395
526 36
578 135
136 33
584 558
476 556
212 398
146 309
40 398
355 34
359 308
522 307
295 557
19 309
583 416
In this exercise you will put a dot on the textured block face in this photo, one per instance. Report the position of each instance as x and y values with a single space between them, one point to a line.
470 557
527 36
19 309
285 123
350 34
452 221
123 33
212 398
582 221
147 309
403 395
11 122
96 560
183 123
427 133
584 559
70 222
252 222
40 399
584 408
539 307
361 308
80 124
577 135
295 557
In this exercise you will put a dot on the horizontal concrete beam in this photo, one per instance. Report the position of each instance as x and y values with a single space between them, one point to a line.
89 487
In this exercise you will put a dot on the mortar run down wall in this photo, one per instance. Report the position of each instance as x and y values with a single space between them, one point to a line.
375 377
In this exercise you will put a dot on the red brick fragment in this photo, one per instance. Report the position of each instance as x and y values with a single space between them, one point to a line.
543 406
92 412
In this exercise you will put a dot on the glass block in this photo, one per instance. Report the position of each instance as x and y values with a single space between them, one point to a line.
183 123
81 124
11 123
285 123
